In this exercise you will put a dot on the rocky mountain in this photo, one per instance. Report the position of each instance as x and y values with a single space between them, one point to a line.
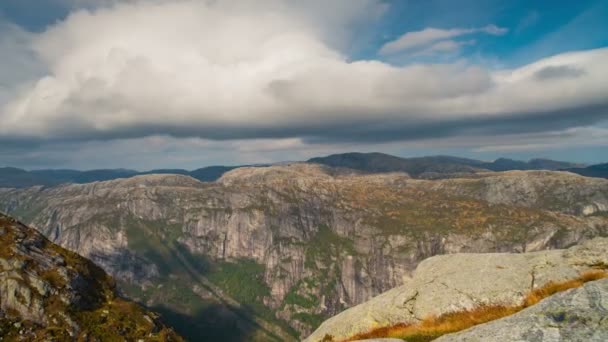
424 167
271 252
460 282
50 294
600 171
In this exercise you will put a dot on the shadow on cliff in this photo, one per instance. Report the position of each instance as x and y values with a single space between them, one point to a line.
214 323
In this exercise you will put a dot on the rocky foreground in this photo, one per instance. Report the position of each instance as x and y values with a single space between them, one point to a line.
315 240
460 282
575 315
50 294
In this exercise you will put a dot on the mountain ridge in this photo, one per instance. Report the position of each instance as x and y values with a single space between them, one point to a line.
374 162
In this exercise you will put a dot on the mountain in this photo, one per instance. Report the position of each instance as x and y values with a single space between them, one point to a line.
268 253
211 173
11 177
599 171
420 167
18 178
504 164
380 162
424 167
443 286
50 294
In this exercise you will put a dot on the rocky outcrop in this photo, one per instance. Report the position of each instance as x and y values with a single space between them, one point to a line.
452 283
325 239
48 293
577 315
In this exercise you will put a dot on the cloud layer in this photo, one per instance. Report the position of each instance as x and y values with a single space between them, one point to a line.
426 37
234 70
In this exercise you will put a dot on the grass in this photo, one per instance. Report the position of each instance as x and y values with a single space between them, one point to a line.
433 327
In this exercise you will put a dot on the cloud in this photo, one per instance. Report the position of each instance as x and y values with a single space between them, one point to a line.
444 46
232 70
556 72
418 39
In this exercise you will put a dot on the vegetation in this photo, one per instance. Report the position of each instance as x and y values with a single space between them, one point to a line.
94 306
433 327
242 280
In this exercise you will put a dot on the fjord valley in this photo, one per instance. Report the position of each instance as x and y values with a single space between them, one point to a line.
270 252
317 171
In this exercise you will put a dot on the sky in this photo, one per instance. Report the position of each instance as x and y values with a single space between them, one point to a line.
145 84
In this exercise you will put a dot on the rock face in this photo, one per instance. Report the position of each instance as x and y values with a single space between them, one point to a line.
48 293
320 240
577 315
451 283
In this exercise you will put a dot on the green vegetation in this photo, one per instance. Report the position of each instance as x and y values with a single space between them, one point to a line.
243 280
312 320
294 298
326 246
94 306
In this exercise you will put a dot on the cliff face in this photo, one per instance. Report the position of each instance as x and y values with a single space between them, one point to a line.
316 240
48 293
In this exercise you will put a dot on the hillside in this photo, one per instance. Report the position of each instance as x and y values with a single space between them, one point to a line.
317 240
48 293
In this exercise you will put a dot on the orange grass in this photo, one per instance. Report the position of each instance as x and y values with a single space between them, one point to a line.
431 328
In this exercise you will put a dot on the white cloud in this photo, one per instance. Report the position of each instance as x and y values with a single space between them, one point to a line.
444 46
420 39
273 69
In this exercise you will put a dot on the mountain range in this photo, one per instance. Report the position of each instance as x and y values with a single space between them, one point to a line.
14 177
268 253
418 167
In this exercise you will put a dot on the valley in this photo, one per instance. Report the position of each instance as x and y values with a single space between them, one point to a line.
268 253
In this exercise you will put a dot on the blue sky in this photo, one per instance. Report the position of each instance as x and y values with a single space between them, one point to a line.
147 84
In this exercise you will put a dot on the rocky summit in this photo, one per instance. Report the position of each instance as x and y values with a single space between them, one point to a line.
575 315
461 282
50 294
269 253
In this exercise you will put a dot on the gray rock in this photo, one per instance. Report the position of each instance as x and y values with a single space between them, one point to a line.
575 315
457 282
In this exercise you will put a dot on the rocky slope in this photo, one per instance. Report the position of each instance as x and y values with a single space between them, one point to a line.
458 282
578 315
316 240
48 293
